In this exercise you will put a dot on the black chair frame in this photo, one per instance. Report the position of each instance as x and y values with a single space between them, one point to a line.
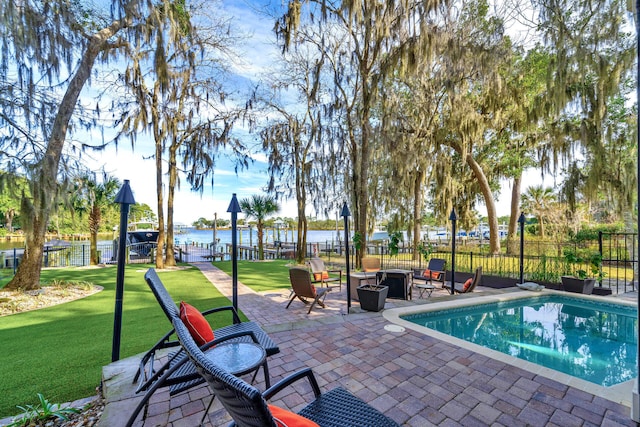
248 406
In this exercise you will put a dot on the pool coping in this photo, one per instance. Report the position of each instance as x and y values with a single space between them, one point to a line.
620 393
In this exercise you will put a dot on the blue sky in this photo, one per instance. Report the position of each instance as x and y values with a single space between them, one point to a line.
138 166
258 53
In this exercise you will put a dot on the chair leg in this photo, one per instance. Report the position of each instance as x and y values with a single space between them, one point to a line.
152 389
206 411
291 300
315 300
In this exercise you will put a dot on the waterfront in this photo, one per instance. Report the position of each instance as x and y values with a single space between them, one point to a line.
205 237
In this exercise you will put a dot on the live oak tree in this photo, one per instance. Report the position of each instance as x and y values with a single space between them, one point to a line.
589 80
456 112
297 139
183 108
50 49
374 38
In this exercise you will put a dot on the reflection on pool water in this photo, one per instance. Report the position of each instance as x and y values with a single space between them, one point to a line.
592 340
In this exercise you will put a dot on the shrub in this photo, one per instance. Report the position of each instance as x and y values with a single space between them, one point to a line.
39 414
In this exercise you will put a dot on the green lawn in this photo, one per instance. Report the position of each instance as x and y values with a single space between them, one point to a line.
59 351
262 275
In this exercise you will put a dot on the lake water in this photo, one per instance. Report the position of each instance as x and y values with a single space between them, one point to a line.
245 237
191 235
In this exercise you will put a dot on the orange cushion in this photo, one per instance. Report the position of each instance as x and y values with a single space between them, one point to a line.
467 284
427 273
286 418
320 276
195 322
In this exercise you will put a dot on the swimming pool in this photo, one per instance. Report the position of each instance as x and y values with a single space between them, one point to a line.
579 340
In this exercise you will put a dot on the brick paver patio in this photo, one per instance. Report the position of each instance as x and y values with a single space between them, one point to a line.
412 378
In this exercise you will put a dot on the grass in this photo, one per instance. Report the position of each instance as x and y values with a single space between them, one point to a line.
260 276
59 351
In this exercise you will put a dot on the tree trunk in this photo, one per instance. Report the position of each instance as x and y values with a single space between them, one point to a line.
161 235
170 259
8 217
492 217
512 241
44 185
301 242
301 199
158 137
260 240
541 226
94 227
362 185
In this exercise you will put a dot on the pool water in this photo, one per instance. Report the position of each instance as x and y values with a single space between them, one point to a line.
592 340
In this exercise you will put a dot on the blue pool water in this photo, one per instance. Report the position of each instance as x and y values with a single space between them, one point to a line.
592 340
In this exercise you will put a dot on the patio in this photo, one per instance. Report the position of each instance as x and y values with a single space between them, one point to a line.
414 379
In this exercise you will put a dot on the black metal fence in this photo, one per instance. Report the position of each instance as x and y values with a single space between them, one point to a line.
546 264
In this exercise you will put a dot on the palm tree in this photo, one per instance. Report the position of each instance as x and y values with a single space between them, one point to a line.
259 207
94 197
537 201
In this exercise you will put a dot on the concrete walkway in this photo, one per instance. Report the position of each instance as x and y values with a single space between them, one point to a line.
414 379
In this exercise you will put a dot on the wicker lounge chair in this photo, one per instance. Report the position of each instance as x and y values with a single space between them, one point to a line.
248 406
302 288
151 374
460 287
321 274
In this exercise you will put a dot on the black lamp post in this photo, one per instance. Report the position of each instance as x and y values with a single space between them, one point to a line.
124 198
521 221
453 218
635 398
234 208
346 214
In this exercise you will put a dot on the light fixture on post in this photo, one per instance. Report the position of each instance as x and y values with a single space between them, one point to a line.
346 214
234 209
453 218
635 395
124 198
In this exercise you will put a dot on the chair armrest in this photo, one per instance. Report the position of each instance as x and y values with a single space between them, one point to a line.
163 342
441 274
287 381
236 318
334 271
232 336
149 358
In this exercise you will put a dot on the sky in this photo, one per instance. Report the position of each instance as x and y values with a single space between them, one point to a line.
138 166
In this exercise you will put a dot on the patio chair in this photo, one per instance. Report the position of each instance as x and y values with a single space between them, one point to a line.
150 376
435 271
469 285
321 274
303 288
247 406
182 372
370 264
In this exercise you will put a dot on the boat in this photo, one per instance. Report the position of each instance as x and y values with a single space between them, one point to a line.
142 232
142 236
